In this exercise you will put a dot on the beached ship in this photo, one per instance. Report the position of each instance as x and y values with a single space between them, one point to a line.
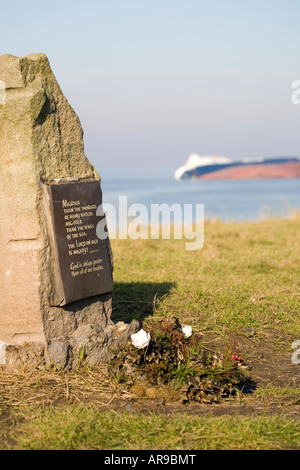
218 167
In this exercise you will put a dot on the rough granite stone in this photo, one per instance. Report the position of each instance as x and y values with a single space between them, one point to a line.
59 353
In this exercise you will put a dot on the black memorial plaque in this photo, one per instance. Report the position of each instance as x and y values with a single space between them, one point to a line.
83 258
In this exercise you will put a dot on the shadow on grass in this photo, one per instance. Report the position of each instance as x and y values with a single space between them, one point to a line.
137 300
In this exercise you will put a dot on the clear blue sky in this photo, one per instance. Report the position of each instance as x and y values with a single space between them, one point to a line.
155 80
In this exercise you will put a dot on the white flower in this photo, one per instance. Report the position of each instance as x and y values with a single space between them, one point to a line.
187 330
141 339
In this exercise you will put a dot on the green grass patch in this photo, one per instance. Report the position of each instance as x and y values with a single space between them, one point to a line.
85 428
271 391
246 275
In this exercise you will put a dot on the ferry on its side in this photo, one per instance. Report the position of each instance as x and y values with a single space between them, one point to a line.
212 167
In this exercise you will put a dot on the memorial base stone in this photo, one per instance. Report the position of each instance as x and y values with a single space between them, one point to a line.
89 344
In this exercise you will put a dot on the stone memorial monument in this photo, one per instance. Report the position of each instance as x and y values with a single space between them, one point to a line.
56 278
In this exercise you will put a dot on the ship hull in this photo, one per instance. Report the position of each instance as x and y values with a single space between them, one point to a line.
285 167
255 171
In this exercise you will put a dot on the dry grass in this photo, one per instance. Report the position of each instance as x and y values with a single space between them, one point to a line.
50 387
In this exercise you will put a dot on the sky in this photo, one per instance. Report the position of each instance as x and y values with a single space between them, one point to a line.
154 81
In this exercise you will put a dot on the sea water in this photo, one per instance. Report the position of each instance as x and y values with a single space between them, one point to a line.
227 200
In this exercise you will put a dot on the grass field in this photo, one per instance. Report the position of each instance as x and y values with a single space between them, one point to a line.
242 289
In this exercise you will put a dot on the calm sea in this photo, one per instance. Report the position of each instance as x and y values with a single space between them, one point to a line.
237 200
